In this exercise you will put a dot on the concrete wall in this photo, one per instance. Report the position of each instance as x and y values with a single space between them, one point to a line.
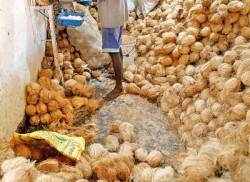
21 53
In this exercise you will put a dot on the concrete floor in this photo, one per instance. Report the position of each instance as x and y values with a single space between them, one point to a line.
151 127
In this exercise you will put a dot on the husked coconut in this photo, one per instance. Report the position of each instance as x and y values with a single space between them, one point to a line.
111 143
164 174
155 158
141 154
97 151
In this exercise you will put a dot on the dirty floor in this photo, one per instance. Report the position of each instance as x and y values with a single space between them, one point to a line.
151 127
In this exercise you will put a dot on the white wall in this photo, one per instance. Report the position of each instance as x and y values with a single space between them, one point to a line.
21 53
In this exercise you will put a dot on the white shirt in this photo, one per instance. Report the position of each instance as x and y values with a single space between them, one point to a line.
112 13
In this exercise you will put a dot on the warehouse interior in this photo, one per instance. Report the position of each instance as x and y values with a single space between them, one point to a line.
183 116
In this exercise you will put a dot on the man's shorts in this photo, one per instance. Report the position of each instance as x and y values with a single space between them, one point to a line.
111 39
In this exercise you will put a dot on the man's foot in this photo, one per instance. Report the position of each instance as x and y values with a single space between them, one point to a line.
116 92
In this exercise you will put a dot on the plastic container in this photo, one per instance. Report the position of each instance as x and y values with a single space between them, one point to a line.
128 49
86 2
67 22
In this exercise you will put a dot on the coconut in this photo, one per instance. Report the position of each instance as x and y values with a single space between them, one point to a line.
214 37
69 173
84 166
216 27
115 126
197 168
52 106
188 80
199 105
79 102
190 110
97 151
205 32
87 75
184 59
232 17
49 165
80 78
245 32
232 85
188 40
30 110
230 57
147 174
192 31
216 18
128 76
141 154
78 62
138 78
93 105
35 120
199 130
216 61
33 88
184 49
197 47
243 21
69 71
69 83
132 88
185 103
18 169
57 115
164 174
111 143
47 178
45 96
137 171
45 118
166 61
45 72
243 67
126 132
32 99
245 78
105 169
123 171
41 108
237 112
212 125
216 109
235 6
169 37
155 158
132 68
213 7
190 70
227 29
246 96
83 90
176 53
240 40
225 70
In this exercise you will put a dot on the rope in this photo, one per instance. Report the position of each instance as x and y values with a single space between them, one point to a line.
127 55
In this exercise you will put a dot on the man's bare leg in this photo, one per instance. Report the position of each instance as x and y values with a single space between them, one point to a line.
117 59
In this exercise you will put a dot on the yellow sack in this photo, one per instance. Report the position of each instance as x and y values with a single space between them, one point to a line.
71 147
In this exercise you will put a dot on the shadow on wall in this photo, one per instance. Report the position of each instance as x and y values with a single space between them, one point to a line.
20 59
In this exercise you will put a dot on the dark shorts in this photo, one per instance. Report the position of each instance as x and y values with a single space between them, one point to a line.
111 39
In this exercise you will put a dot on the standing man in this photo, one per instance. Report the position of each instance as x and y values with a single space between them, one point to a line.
113 14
